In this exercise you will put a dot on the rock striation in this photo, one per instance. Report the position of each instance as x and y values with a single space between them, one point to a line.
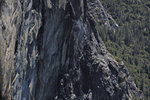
51 50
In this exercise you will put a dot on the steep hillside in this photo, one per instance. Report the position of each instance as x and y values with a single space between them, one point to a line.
131 41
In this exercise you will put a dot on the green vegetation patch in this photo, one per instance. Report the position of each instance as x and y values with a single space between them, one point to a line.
131 41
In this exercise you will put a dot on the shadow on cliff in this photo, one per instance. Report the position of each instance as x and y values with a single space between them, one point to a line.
1 82
2 2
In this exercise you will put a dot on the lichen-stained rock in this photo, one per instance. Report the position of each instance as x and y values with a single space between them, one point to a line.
51 50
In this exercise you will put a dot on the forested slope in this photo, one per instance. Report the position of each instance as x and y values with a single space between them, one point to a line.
131 41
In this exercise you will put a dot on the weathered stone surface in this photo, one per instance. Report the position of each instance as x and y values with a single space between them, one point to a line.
50 50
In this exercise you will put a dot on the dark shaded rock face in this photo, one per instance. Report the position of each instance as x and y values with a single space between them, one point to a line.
50 50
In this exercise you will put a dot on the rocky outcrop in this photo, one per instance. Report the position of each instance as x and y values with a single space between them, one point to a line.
100 16
51 50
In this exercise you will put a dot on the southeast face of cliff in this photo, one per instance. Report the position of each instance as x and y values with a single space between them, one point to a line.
51 50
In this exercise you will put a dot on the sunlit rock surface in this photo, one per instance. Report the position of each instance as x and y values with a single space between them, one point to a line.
51 50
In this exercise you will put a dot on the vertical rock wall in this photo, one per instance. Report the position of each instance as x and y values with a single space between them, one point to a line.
50 50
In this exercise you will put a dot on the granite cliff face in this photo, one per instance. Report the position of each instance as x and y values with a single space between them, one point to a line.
51 50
